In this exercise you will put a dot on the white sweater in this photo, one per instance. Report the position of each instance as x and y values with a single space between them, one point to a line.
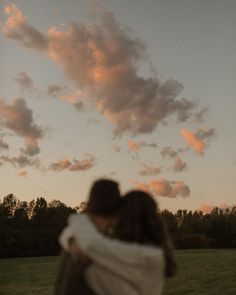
141 266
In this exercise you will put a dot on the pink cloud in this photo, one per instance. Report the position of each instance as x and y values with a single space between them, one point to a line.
75 165
207 208
193 141
165 188
134 146
60 165
102 59
23 173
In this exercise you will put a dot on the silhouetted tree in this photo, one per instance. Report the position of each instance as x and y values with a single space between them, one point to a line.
32 228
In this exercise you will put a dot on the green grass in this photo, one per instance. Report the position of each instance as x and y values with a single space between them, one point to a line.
203 272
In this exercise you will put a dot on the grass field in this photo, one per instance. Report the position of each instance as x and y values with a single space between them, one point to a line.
203 272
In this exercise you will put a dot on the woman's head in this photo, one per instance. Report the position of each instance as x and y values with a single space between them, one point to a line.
138 219
140 222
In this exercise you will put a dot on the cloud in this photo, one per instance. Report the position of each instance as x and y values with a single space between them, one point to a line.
21 161
206 208
168 152
92 121
23 173
198 140
74 165
206 133
82 165
16 28
65 94
17 117
165 188
134 146
152 145
3 145
193 141
60 165
179 165
24 81
103 60
148 170
116 148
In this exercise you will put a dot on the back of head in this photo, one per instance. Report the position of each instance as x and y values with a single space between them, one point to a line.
137 218
141 222
104 198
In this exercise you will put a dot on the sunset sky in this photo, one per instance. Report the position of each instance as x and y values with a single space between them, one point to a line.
142 92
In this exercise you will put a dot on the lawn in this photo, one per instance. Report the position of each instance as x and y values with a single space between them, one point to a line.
203 272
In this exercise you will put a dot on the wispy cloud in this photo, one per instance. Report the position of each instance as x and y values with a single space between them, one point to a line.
116 148
20 161
167 151
178 164
74 165
17 117
25 82
148 170
64 93
103 59
134 146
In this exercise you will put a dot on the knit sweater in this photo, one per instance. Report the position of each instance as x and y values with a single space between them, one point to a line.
141 266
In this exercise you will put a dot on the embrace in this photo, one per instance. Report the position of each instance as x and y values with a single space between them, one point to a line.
120 245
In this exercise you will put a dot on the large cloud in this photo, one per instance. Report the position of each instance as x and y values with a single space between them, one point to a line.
103 60
17 117
165 188
75 165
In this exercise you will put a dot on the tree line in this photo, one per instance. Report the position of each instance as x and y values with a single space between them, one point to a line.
32 228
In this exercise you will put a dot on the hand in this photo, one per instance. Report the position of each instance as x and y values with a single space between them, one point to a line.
76 253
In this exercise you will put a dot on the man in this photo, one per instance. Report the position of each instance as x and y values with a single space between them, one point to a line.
102 206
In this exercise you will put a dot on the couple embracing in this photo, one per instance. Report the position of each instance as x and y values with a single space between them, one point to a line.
119 246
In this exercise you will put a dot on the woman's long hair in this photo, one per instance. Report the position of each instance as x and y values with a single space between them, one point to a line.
139 221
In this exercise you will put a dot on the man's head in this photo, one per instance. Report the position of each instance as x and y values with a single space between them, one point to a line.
104 198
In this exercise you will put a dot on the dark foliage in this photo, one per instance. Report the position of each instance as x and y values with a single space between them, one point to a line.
32 228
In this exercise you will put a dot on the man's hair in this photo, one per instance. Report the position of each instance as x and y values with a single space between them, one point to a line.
104 197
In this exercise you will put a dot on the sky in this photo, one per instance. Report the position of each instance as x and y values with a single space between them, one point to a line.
139 92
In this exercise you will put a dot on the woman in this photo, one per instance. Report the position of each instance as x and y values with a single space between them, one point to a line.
143 258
